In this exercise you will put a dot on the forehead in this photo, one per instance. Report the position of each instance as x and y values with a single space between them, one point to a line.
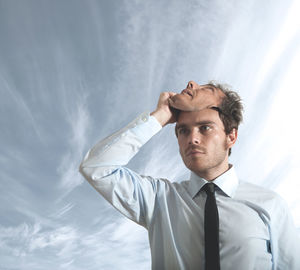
207 87
194 117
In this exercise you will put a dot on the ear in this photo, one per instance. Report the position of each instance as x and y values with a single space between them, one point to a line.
231 137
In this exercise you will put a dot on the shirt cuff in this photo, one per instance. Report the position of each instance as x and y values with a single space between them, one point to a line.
145 127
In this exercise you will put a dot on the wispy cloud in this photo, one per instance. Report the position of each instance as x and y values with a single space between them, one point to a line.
79 121
66 243
27 240
63 211
20 105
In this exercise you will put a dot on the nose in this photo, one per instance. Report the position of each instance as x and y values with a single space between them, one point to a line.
192 85
194 137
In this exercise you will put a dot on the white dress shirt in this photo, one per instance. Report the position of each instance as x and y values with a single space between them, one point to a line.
256 228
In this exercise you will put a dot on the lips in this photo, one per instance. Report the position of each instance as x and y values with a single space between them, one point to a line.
188 92
194 151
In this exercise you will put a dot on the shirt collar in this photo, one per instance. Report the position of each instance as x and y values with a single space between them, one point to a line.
227 182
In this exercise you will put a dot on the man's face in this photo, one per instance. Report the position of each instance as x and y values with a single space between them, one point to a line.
203 143
197 97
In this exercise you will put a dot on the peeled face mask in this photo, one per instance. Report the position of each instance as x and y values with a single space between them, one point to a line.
197 98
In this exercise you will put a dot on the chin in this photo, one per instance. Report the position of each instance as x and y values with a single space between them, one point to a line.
193 166
180 102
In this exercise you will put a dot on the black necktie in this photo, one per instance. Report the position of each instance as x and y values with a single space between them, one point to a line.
211 228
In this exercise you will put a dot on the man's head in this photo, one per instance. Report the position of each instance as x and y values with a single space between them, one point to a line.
207 125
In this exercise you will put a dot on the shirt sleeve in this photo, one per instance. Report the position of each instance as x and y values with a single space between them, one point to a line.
103 167
286 241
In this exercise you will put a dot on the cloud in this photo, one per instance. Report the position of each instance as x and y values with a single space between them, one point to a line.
36 244
121 235
63 211
27 240
20 105
79 121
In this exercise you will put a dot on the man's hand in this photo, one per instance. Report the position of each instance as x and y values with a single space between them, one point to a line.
164 113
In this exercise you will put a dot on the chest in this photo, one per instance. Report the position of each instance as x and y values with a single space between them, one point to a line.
239 222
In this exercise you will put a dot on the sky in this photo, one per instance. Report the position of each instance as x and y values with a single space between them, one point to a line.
72 72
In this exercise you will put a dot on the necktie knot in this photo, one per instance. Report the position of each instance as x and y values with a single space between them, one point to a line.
209 188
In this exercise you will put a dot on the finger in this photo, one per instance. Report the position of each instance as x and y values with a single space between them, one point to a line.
164 96
172 103
172 94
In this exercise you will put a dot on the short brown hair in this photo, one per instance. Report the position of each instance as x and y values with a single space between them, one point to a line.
231 108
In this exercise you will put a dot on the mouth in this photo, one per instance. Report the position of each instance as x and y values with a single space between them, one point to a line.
194 153
187 92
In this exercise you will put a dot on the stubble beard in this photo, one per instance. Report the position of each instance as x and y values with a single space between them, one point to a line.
206 165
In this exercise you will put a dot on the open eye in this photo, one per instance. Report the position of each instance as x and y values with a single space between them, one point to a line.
205 128
182 131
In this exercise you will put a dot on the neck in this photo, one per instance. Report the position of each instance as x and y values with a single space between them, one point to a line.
213 173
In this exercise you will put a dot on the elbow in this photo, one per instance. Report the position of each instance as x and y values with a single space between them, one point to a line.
94 173
86 172
84 165
82 169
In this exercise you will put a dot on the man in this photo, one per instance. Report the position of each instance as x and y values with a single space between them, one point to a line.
195 224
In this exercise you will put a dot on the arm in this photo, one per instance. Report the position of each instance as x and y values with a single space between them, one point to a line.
103 166
286 241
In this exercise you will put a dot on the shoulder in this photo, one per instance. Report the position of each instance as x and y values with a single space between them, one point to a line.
253 189
260 195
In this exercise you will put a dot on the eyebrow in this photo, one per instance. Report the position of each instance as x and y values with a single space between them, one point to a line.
218 109
200 123
210 87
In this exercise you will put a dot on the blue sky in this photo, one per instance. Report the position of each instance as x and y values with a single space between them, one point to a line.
72 72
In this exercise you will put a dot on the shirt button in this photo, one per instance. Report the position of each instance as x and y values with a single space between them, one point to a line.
144 119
